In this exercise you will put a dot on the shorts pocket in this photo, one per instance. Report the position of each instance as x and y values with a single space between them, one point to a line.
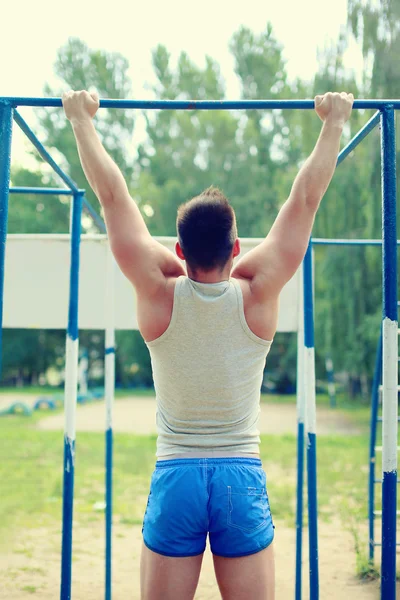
248 508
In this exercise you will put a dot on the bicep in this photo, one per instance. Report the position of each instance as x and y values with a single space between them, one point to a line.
274 262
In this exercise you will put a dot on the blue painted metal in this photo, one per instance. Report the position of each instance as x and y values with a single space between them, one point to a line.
109 470
43 152
308 299
202 104
312 439
389 524
368 127
43 191
299 508
69 444
67 180
6 116
313 514
67 516
110 351
372 443
330 242
76 215
389 215
62 192
389 487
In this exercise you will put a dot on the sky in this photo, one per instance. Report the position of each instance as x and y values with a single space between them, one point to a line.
34 31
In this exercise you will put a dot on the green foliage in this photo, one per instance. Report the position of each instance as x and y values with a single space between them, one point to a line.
33 492
79 67
253 156
31 213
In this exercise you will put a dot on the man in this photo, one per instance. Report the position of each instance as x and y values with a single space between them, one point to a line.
209 329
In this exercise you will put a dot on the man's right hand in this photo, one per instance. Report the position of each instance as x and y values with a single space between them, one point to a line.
334 107
80 106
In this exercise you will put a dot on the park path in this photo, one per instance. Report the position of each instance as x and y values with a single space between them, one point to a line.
137 415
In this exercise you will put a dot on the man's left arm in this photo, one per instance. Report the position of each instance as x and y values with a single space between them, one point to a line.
144 261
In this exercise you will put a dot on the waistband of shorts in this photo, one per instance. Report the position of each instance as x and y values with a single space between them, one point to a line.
202 462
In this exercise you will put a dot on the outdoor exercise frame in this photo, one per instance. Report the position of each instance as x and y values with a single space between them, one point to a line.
306 367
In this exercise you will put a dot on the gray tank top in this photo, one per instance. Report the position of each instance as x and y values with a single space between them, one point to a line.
207 369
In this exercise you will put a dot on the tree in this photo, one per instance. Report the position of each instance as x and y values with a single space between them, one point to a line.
80 68
32 213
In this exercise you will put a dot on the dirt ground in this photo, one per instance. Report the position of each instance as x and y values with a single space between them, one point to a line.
31 568
138 415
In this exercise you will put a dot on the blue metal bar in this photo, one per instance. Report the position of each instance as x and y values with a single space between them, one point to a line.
71 380
43 152
43 191
311 424
109 385
301 414
46 156
299 506
6 115
390 355
368 127
372 443
109 465
201 104
332 242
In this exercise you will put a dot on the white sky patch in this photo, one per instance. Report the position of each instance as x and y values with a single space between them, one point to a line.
29 45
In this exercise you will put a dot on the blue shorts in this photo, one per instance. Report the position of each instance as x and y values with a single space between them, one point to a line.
225 497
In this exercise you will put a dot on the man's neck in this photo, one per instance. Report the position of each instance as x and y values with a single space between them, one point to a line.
215 276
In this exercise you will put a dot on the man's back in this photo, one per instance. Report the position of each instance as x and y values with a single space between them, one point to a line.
207 368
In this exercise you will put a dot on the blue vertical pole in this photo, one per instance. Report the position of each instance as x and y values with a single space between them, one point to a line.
309 372
109 393
372 443
390 354
71 384
6 117
301 411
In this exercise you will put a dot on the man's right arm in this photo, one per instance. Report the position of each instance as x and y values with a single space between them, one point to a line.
270 265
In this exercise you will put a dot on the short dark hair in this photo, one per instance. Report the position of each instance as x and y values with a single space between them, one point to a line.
206 227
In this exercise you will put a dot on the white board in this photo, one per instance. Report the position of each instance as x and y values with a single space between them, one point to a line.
36 287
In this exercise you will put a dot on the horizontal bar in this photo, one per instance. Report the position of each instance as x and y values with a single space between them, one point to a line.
338 242
43 191
199 104
46 156
368 127
43 152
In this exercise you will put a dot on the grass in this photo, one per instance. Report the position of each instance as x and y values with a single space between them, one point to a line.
31 474
55 391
